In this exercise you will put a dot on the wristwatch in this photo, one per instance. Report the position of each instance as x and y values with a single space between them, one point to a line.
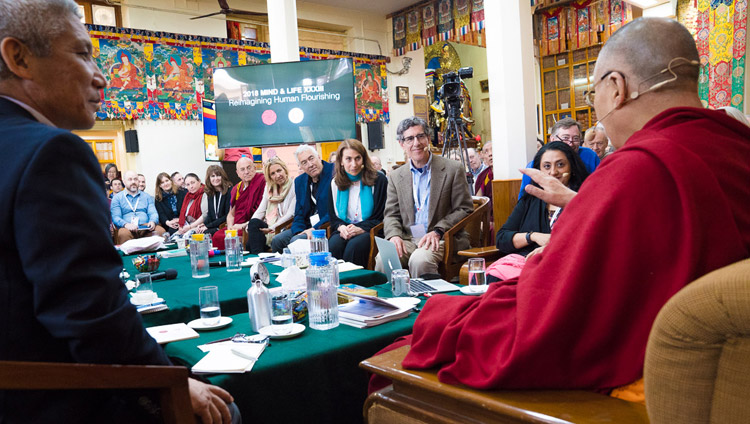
528 238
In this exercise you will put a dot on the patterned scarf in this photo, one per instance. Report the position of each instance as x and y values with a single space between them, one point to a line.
274 200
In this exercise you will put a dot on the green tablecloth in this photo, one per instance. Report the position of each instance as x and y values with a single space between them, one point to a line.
313 378
181 294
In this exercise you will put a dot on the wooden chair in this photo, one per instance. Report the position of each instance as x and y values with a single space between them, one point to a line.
171 382
477 224
373 246
418 397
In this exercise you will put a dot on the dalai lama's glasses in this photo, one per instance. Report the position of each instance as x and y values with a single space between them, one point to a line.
588 95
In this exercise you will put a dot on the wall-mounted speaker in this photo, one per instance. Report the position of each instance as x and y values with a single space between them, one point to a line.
375 135
131 141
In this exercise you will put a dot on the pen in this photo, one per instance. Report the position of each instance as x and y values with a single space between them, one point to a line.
226 339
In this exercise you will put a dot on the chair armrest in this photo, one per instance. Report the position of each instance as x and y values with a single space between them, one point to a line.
283 226
480 252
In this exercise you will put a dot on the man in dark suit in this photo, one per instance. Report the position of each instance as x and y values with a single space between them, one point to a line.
313 188
426 197
60 294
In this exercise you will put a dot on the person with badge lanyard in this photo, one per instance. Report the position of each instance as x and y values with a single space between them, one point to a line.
356 203
133 212
215 200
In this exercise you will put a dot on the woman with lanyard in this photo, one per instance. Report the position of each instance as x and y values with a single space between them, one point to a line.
215 200
168 201
356 204
277 206
191 216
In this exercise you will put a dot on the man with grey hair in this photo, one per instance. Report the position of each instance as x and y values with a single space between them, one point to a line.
476 165
312 190
426 197
596 140
568 131
60 291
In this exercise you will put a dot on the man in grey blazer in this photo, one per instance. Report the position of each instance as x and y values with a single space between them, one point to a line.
426 197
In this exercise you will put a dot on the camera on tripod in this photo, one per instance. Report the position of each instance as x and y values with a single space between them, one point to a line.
450 92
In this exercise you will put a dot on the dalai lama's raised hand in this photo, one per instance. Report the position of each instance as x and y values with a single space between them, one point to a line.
553 191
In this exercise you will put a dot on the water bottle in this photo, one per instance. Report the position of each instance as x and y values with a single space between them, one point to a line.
199 256
322 297
233 250
287 260
319 242
258 305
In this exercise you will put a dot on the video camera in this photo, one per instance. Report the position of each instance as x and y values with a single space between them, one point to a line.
450 92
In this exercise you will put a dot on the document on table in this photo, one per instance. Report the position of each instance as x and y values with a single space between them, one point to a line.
171 333
228 357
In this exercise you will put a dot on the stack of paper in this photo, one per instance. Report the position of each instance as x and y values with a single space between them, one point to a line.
171 333
367 311
229 357
145 244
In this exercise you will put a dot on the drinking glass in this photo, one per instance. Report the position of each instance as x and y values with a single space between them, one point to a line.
400 285
476 274
281 313
208 299
199 257
144 289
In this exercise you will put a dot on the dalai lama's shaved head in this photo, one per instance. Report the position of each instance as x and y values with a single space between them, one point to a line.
645 46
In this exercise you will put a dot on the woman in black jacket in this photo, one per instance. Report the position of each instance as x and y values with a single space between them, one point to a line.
215 201
168 201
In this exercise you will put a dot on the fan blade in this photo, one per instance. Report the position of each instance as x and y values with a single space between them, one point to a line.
210 14
244 12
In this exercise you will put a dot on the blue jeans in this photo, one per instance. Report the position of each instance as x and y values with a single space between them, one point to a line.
282 240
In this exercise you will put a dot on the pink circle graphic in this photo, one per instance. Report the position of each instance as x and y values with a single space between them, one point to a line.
268 117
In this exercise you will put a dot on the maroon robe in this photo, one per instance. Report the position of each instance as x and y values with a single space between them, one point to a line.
245 203
667 208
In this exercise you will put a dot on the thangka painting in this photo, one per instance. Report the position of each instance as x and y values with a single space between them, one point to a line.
211 59
123 64
174 73
370 92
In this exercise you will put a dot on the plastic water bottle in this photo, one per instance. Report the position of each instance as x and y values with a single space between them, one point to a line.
258 305
287 260
233 250
322 297
319 242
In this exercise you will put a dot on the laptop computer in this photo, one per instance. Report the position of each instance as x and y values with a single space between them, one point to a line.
389 256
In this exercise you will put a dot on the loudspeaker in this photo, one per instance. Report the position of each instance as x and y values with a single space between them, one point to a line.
131 141
375 135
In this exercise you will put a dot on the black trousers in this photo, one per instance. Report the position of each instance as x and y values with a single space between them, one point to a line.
256 239
355 250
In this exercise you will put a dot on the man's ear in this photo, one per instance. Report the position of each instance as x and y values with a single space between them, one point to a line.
619 93
16 56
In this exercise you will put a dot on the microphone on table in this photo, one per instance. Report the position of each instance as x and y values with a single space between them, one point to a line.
168 274
217 264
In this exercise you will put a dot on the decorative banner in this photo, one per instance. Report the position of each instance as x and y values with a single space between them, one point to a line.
414 29
477 15
583 33
445 20
429 24
399 35
462 16
159 75
370 92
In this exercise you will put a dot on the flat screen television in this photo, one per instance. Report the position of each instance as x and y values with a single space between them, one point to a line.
285 103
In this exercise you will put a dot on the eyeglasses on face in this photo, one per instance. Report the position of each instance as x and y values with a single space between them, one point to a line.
588 95
568 139
410 140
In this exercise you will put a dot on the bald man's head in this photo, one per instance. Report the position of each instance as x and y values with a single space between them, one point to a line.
245 169
644 47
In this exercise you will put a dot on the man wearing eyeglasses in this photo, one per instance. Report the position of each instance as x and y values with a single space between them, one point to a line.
568 131
426 197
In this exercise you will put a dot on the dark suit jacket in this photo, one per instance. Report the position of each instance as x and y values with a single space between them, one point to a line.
304 209
450 200
165 211
61 299
216 218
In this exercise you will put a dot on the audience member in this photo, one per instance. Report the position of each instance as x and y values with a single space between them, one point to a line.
215 200
530 224
168 201
229 158
568 131
667 208
244 199
116 186
483 184
332 157
425 199
178 180
596 140
356 203
311 190
141 182
276 207
61 296
476 165
133 212
110 173
191 217
377 164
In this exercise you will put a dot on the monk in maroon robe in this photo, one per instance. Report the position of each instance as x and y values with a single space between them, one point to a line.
669 206
245 199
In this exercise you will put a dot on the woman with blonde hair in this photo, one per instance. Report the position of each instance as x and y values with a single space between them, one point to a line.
356 204
276 207
215 200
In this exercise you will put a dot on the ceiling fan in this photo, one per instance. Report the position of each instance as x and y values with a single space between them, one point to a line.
225 10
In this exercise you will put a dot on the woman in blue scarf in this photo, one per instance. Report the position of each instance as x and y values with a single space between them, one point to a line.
356 204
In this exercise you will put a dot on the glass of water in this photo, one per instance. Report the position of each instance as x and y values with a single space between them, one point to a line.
208 298
400 283
476 273
144 291
281 313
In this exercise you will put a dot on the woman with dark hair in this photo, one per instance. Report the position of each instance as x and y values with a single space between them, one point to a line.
276 207
110 173
531 221
191 216
215 200
356 204
168 201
